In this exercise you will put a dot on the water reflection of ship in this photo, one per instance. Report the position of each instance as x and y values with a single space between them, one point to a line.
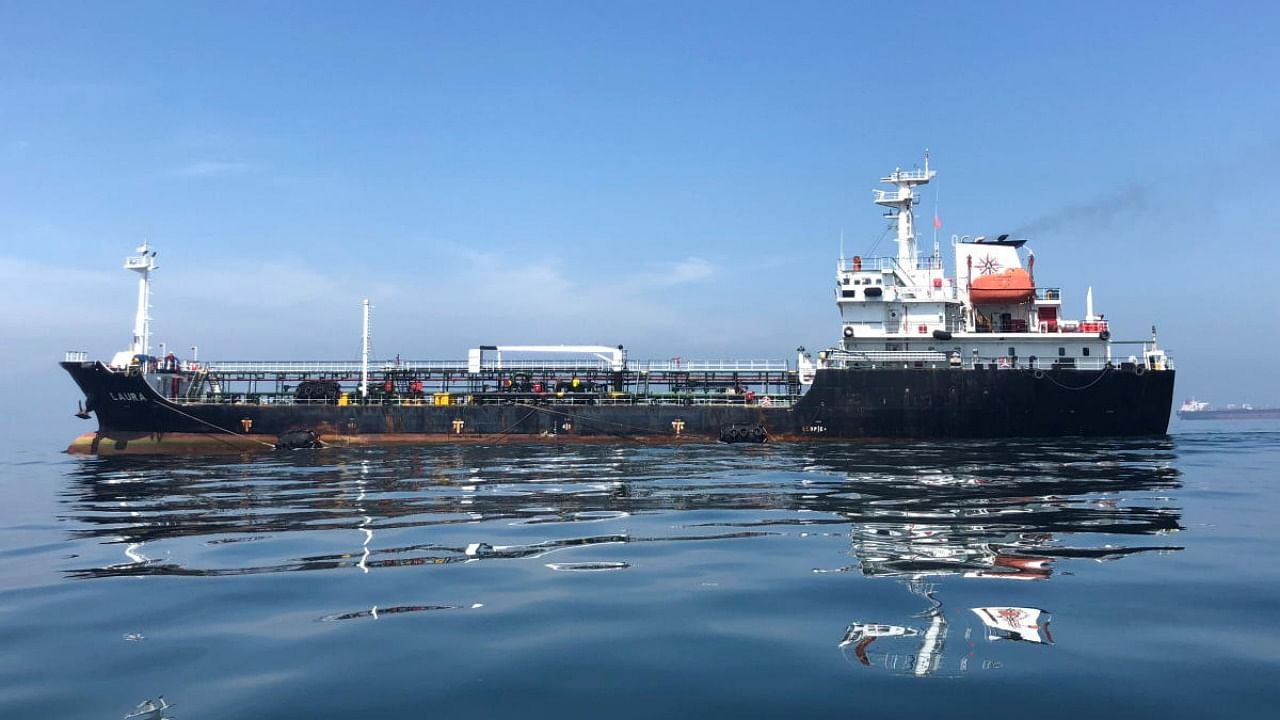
929 642
1015 623
985 526
136 503
975 509
149 710
921 653
915 553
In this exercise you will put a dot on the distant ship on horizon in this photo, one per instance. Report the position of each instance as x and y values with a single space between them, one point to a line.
1198 410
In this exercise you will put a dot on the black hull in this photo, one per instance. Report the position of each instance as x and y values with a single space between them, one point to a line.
842 404
991 403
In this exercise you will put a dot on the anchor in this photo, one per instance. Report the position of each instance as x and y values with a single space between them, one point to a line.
81 412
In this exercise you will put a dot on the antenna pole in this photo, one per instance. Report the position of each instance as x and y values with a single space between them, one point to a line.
364 353
937 251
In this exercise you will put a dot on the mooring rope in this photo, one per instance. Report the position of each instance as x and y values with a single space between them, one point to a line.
1091 383
221 429
512 428
533 409
579 418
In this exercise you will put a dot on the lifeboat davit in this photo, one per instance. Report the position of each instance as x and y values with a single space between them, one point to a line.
1011 286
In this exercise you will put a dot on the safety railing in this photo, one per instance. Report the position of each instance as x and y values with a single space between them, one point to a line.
553 365
352 368
326 366
709 366
889 356
897 327
857 263
1001 362
899 175
921 292
759 399
895 359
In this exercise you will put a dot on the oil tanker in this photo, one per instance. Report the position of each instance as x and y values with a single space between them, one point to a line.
982 352
1199 410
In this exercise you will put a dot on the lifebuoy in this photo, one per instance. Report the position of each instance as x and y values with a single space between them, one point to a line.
1039 374
1105 335
848 331
388 386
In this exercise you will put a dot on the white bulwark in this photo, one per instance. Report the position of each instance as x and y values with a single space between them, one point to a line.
905 311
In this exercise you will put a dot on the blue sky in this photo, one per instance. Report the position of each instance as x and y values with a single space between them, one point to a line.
672 176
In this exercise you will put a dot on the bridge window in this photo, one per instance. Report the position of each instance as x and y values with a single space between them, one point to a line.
1062 352
1085 352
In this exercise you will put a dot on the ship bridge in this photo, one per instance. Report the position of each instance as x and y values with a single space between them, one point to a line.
904 310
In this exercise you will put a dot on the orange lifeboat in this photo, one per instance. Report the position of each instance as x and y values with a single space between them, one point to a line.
1011 286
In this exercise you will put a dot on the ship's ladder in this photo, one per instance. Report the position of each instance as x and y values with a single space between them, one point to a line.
196 384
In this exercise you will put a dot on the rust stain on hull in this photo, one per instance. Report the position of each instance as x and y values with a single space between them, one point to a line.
126 443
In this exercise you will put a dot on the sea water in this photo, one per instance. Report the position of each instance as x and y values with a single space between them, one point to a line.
1074 578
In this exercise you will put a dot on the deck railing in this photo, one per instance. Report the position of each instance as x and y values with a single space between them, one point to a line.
891 360
709 366
353 367
931 262
717 399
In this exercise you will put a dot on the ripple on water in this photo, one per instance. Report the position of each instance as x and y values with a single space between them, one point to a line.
816 570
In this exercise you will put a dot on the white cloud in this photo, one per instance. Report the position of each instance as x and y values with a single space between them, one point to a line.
286 307
217 168
681 272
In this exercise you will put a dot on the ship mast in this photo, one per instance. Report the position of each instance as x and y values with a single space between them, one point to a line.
899 202
364 353
143 264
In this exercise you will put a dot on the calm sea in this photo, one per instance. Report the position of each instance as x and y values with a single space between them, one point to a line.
1101 578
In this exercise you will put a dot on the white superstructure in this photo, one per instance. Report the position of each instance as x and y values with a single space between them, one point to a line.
905 311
